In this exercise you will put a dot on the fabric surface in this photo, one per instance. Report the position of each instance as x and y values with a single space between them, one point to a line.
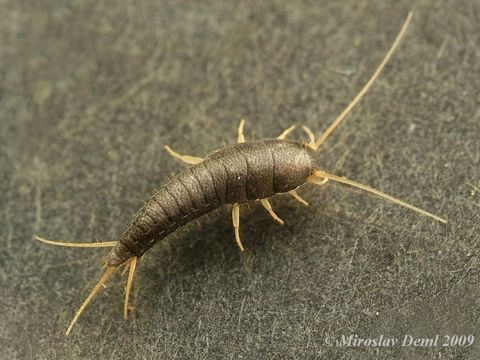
91 91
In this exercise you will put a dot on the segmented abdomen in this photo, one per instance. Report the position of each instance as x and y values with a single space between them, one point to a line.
235 174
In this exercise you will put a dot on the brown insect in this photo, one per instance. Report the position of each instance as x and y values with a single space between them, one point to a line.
237 174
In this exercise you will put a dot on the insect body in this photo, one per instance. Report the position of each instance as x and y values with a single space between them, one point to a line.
236 174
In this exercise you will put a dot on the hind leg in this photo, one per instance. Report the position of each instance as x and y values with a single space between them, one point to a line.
191 160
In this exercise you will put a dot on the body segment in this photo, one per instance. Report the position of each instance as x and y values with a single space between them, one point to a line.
233 175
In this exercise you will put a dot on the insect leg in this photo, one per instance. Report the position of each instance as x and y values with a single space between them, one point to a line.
324 175
266 205
77 244
296 196
192 160
241 137
284 134
236 224
132 263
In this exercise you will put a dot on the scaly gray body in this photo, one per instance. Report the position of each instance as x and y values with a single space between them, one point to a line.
235 174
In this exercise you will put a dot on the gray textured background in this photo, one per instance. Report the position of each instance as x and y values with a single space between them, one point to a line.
89 94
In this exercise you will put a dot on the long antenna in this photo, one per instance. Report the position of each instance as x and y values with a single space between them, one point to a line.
325 175
367 86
